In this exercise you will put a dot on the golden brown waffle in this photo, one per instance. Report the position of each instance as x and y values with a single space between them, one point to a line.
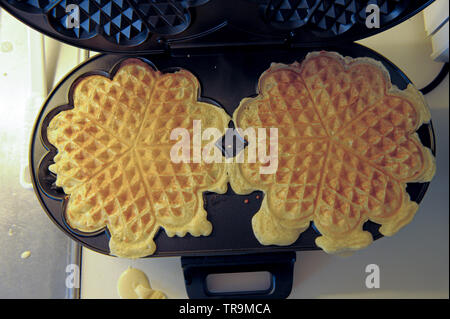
114 160
346 149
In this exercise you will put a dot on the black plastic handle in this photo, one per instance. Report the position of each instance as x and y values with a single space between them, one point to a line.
280 265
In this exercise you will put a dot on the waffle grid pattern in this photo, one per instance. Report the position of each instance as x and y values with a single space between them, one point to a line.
131 22
353 166
122 22
114 157
326 17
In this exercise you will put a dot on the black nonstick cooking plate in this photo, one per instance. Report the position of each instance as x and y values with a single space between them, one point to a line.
226 75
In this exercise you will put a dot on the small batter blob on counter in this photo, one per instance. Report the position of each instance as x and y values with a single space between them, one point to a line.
134 284
25 254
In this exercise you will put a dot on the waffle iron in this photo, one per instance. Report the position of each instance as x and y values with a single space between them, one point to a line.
226 45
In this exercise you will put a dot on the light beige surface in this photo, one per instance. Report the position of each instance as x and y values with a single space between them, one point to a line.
164 274
23 225
133 284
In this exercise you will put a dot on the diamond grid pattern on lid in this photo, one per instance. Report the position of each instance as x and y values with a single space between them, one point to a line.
133 22
115 19
290 13
335 16
164 17
122 22
326 17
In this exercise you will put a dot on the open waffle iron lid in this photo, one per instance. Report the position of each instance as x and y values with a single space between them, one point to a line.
151 26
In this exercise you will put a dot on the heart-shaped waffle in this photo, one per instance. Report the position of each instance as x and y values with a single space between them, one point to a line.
114 160
346 149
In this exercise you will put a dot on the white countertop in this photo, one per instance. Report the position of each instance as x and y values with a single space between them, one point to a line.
24 226
413 264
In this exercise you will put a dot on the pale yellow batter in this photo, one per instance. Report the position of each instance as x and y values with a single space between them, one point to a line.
134 284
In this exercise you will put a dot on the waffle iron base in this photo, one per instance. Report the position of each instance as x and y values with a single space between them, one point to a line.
226 75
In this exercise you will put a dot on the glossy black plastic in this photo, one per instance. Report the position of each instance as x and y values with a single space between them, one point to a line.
280 265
